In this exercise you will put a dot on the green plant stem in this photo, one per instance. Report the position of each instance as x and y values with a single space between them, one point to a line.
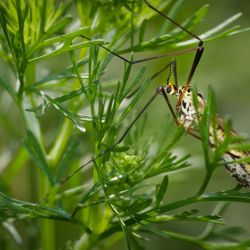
60 142
204 184
219 208
82 243
177 236
47 230
21 80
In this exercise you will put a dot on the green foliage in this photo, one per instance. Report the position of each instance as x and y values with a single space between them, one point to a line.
66 107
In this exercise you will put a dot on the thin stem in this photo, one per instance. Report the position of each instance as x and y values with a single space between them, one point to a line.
174 235
132 25
47 233
204 183
61 142
219 209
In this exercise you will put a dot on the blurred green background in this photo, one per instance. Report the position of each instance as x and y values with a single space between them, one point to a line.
225 67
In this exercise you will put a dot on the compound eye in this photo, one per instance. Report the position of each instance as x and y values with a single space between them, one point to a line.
169 89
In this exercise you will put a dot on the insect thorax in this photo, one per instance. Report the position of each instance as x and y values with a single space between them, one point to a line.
186 108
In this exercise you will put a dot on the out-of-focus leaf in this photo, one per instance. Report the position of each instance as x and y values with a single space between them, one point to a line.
10 208
191 22
8 88
142 30
173 12
57 39
75 118
39 110
134 81
64 162
36 152
140 204
161 190
67 47
66 73
214 33
134 101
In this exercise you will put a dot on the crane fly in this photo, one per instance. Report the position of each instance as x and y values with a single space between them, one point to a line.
188 117
186 114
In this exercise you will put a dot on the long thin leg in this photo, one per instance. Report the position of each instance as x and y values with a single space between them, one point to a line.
172 21
161 90
198 54
175 53
199 49
197 58
125 132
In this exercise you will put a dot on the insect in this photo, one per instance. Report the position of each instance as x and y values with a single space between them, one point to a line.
188 118
186 114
